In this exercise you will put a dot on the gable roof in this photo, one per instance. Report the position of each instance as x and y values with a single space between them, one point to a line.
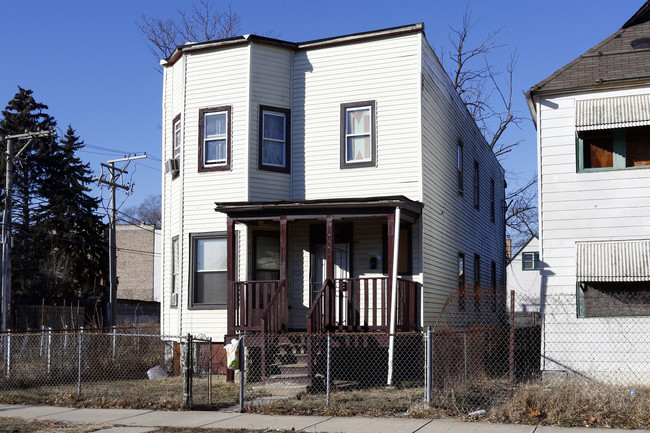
622 59
521 250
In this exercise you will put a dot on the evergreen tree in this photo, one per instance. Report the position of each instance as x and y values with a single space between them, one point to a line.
75 255
24 114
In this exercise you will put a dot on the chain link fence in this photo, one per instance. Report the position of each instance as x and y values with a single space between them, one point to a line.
125 367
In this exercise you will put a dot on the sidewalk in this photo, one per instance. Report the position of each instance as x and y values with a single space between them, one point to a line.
137 421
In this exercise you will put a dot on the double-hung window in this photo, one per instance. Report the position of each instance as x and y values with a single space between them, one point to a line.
274 151
177 137
214 139
175 271
530 261
209 277
492 212
358 142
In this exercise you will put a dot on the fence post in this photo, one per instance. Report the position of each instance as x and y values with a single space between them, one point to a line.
329 346
113 343
242 373
210 374
49 351
512 338
8 353
79 356
429 365
187 370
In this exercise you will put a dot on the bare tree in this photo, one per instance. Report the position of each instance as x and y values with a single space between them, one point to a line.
148 212
487 94
202 23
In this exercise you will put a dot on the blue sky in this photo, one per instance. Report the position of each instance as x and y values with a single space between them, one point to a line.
86 61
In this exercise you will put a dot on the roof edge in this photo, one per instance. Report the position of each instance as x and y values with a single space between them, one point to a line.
313 44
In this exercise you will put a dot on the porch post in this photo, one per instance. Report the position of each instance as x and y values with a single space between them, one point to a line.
329 255
393 299
230 274
391 247
283 247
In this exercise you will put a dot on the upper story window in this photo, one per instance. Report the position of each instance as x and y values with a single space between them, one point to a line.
459 167
177 136
214 139
530 261
274 149
614 149
358 143
477 185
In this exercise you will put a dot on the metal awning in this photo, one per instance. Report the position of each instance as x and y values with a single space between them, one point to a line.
613 261
619 112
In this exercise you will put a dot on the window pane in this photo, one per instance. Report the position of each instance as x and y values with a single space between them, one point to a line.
273 153
177 139
358 149
215 150
210 288
637 147
211 254
358 121
598 149
267 252
274 126
215 125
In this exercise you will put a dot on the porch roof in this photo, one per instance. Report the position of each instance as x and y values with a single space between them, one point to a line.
310 209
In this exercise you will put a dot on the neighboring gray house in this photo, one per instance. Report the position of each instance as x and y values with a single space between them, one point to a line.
593 121
340 168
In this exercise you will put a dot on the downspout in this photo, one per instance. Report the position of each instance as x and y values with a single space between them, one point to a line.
393 297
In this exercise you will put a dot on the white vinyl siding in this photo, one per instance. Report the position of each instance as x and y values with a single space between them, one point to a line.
385 71
270 85
451 223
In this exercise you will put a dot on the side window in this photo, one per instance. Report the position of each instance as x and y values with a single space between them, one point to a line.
459 168
214 139
274 148
530 261
477 271
177 136
175 271
358 142
209 271
461 282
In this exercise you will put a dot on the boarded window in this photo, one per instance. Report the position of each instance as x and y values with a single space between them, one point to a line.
598 148
614 299
637 147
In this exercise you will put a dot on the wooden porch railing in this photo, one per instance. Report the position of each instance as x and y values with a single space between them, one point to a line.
362 304
259 306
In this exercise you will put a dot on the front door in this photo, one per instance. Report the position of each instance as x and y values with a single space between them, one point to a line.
341 270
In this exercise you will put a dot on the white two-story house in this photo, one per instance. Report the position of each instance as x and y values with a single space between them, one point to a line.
593 130
335 184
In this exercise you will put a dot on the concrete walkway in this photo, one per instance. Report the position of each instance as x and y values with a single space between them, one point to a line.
137 421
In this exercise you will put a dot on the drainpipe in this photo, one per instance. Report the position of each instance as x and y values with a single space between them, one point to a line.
393 297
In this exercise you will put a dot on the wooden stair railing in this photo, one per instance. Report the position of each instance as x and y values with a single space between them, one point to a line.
273 319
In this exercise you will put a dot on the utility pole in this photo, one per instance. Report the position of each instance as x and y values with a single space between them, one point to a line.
115 180
6 217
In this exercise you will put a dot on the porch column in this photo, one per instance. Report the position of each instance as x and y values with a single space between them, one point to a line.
329 255
283 248
230 274
393 285
390 253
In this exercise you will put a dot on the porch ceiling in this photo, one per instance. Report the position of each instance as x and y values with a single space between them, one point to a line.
311 209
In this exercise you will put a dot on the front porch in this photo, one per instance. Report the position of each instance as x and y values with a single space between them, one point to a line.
351 269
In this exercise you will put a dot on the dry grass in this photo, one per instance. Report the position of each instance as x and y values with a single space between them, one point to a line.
159 394
572 404
16 425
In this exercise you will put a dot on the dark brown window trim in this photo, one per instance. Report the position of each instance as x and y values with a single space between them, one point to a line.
176 119
409 247
287 139
174 239
477 185
373 135
223 167
190 302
